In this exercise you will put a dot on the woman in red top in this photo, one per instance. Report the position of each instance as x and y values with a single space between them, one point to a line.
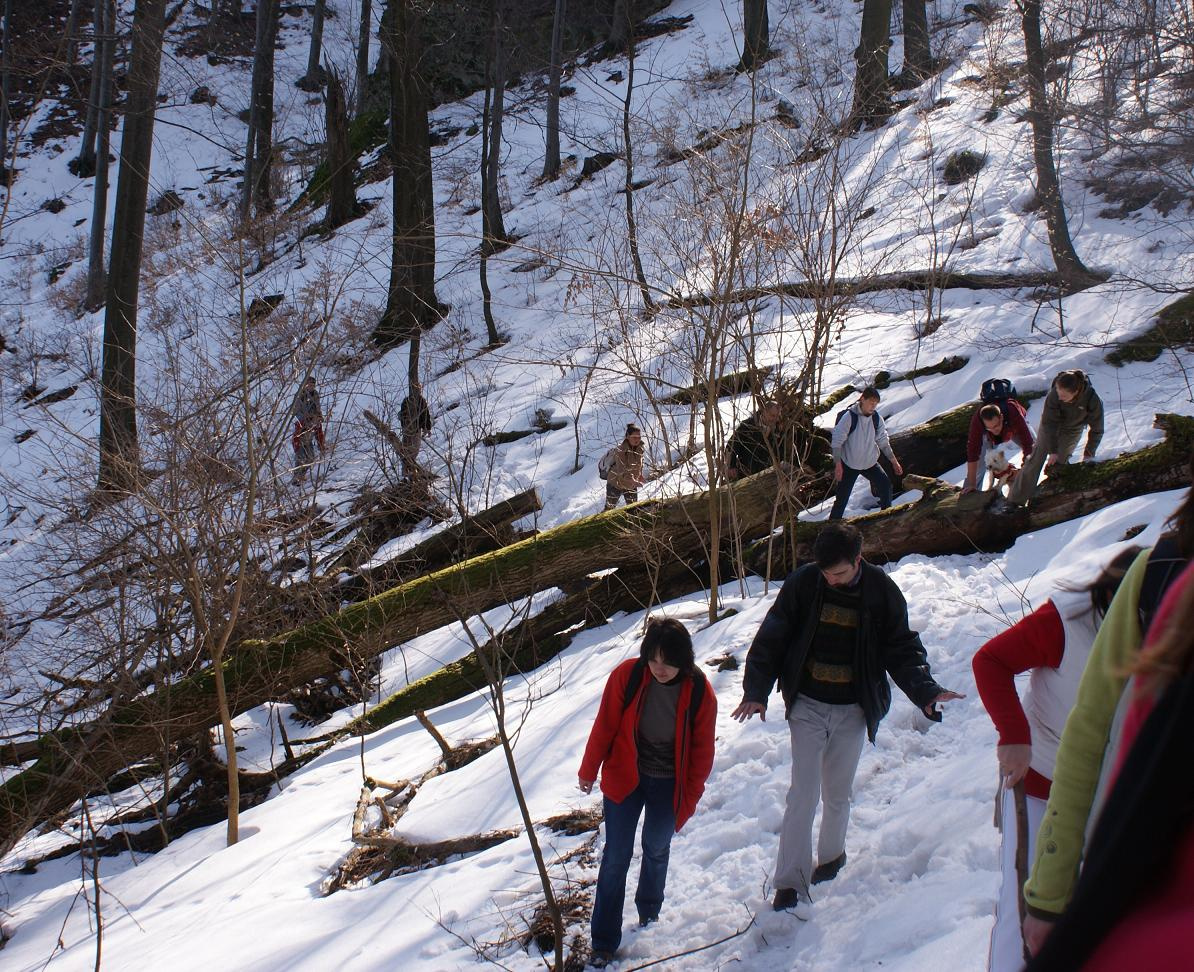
1133 906
1053 644
653 744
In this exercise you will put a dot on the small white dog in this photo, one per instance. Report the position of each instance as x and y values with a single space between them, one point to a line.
1000 466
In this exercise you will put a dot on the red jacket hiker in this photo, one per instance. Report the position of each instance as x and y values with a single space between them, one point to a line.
1015 426
612 748
1037 641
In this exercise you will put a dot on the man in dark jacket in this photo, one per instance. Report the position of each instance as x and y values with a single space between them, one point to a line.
1071 406
757 443
837 629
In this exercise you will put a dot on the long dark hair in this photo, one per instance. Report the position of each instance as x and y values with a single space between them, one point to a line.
1102 589
670 640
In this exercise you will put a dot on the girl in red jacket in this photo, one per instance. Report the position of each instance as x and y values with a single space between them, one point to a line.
1053 644
653 743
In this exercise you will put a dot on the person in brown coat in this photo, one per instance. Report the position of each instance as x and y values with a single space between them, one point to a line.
1071 407
625 468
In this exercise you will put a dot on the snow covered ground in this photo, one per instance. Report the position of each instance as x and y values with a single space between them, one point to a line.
919 889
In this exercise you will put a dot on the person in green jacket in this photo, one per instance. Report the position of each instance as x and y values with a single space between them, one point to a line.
1071 406
1090 736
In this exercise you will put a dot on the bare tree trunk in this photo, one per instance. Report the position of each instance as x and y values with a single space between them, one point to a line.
84 164
119 461
870 80
411 304
628 187
5 89
619 27
493 228
362 76
551 158
1070 268
756 34
918 54
259 148
483 268
105 53
314 78
342 202
72 32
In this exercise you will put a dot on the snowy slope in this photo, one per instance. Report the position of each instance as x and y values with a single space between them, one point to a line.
920 886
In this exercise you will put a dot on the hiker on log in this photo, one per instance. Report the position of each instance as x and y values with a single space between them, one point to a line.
837 629
1053 643
1133 906
622 468
999 419
308 428
859 436
1090 742
757 443
414 418
1071 407
652 743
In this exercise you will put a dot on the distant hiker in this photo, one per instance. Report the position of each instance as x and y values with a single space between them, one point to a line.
414 418
1071 406
999 419
1133 905
757 443
653 745
1053 643
622 468
859 435
308 428
1091 739
837 629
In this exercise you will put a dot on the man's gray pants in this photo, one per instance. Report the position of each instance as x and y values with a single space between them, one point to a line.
1024 485
826 744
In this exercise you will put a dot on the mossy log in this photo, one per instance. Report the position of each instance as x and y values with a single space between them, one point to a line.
538 639
1173 328
943 521
74 760
738 383
488 530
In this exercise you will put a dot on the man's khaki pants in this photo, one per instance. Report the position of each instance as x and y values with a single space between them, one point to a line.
826 744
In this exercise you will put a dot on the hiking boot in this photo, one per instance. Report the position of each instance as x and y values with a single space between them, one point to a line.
600 959
786 899
828 870
644 922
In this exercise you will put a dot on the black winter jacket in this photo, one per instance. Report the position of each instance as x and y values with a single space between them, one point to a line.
886 645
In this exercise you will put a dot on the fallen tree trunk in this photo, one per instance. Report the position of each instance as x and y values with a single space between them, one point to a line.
943 521
73 761
537 639
488 530
912 280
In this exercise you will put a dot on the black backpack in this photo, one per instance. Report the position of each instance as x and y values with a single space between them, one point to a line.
997 391
854 420
639 672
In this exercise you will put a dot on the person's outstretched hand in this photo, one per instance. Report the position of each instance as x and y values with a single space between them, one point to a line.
946 696
746 709
585 786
